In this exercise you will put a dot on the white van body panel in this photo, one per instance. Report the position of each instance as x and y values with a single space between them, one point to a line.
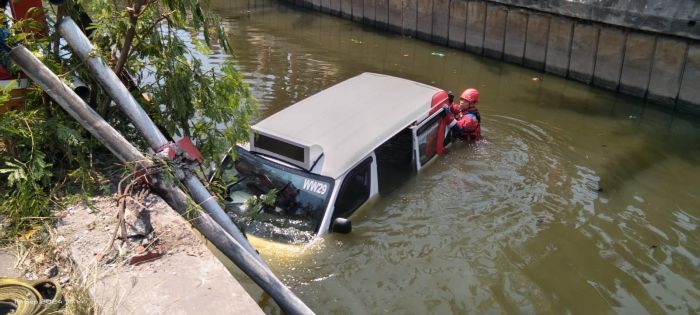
347 121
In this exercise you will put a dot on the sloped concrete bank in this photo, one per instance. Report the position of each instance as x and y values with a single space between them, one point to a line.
184 277
647 49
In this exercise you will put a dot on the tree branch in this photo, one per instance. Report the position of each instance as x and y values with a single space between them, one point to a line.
164 16
134 14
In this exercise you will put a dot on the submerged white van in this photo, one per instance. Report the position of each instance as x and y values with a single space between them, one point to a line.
308 167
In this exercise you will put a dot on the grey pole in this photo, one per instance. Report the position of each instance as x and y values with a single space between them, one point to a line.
126 152
114 87
64 96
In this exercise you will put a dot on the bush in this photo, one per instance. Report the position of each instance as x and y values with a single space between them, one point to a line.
45 155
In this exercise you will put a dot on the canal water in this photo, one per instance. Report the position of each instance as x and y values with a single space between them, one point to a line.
578 200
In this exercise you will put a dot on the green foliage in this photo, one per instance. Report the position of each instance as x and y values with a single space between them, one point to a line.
256 204
210 105
5 92
41 148
45 155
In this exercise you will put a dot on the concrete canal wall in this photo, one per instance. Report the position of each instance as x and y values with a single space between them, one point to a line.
649 49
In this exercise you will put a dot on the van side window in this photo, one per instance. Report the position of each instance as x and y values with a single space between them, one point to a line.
427 135
354 191
395 161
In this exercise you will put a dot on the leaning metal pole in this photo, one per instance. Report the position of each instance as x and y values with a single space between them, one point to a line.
248 262
143 123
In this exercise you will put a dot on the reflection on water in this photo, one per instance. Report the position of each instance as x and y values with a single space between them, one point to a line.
578 201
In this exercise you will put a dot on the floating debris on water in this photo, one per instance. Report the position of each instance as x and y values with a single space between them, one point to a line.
439 54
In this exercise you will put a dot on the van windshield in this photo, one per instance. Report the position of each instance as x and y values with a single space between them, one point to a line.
274 201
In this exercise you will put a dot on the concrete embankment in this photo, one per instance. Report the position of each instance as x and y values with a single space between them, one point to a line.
647 49
184 278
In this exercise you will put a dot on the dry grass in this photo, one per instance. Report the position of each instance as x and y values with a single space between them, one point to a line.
38 252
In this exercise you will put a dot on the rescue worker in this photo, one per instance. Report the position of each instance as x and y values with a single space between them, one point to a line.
467 120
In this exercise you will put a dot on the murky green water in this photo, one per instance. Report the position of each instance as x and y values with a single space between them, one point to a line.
579 201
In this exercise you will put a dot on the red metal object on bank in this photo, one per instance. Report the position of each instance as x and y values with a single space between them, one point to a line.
22 10
186 146
30 9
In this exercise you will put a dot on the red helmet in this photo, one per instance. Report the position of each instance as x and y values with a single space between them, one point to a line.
471 95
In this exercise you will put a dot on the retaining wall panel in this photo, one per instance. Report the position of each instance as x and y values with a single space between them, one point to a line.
636 65
346 9
476 20
559 46
516 28
494 35
666 70
357 10
326 6
583 47
335 7
316 5
689 97
368 12
395 16
536 41
441 20
381 14
409 17
608 64
424 19
458 24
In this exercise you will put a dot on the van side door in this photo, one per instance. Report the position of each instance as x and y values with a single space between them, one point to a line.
425 139
354 190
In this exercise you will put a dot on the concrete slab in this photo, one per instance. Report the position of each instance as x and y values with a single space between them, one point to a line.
7 265
410 12
667 70
689 97
424 19
516 32
583 47
357 10
536 43
458 24
476 21
346 9
368 12
188 279
316 5
395 16
559 46
494 36
608 62
381 14
636 67
441 21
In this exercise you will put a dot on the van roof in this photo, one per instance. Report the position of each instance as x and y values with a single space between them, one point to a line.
350 119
